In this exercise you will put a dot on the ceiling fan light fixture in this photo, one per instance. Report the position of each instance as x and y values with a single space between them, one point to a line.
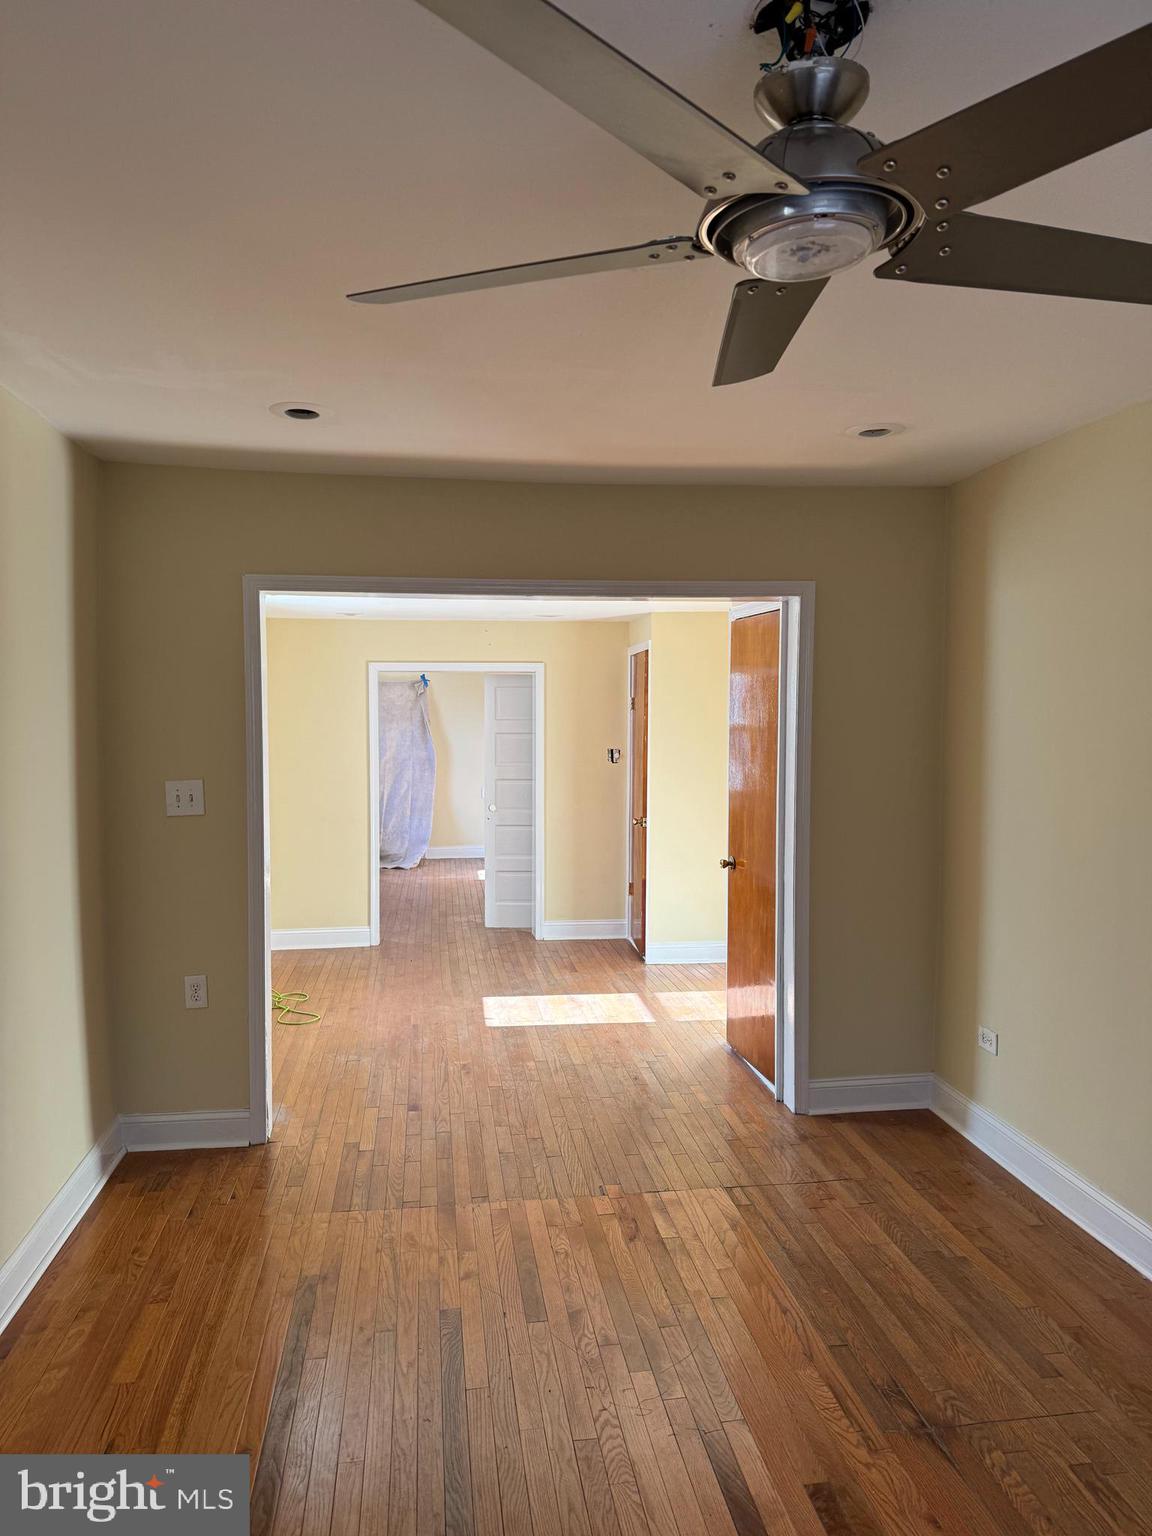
807 238
809 246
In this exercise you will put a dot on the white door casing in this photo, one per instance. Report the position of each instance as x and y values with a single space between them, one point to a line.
509 790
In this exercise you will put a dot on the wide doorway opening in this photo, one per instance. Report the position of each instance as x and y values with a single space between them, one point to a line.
582 824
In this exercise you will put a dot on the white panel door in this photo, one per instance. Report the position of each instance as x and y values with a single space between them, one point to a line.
509 798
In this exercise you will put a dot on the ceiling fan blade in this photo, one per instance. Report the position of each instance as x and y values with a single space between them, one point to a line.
653 253
762 320
1028 130
976 251
605 85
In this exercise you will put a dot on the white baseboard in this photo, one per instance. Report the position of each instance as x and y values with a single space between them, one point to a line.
586 928
690 952
1103 1218
854 1095
20 1272
128 1133
456 851
321 938
183 1132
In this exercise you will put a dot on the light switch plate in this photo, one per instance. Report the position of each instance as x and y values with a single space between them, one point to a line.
184 797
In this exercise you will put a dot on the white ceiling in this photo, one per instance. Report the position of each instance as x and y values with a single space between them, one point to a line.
372 605
190 189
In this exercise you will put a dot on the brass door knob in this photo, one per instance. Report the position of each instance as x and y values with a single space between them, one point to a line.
727 863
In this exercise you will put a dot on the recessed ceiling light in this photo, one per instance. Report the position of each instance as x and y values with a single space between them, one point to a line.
877 429
297 410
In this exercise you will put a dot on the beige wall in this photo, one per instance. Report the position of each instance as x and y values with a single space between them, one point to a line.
318 693
175 544
55 1094
687 778
1049 807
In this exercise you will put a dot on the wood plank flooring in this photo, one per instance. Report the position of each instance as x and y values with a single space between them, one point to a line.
532 1253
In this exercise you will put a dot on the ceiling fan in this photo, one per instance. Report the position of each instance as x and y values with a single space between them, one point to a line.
817 196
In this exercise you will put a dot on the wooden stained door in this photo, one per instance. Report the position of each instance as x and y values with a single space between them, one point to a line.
509 766
638 801
753 772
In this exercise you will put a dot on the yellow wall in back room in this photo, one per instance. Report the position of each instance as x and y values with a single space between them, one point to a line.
175 544
316 732
318 693
456 717
687 778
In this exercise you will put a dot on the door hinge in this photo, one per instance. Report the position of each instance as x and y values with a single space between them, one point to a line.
632 701
631 889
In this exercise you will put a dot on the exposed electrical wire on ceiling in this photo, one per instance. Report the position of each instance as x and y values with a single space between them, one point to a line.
810 28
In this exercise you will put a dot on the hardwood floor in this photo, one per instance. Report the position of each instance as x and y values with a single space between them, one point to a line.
531 1252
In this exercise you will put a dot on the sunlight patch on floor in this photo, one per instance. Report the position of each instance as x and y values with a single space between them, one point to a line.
685 1007
566 1008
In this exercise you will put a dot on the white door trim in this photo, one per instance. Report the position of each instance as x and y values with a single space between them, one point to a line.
802 595
634 650
533 669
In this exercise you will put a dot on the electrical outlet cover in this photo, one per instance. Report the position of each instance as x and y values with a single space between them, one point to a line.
989 1041
195 991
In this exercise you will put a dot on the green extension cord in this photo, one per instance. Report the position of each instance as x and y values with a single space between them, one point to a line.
284 1003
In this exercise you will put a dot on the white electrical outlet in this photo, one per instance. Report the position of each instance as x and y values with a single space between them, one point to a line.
195 991
184 797
989 1041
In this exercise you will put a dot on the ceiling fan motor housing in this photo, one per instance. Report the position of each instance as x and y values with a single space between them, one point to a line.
809 104
827 89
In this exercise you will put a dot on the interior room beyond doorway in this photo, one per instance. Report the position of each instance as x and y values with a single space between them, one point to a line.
324 669
466 784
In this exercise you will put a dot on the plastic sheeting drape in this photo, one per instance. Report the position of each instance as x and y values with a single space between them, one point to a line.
407 774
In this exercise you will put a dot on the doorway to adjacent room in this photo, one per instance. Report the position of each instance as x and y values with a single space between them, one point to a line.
709 774
485 729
